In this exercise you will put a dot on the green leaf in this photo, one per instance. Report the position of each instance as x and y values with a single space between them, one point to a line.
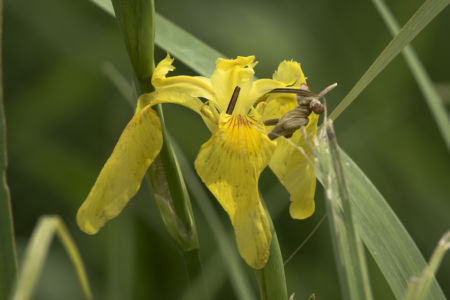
8 256
419 287
37 251
427 87
348 248
382 232
198 56
424 15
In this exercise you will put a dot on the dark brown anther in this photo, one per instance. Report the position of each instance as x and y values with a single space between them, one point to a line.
233 100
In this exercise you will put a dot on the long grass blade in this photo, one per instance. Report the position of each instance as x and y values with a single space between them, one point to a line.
348 248
36 254
423 16
384 235
197 55
8 258
419 287
427 87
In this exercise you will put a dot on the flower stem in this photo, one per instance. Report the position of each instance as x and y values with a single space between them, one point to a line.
8 257
271 278
136 20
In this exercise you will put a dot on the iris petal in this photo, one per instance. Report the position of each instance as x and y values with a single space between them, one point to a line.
288 163
290 73
230 73
123 172
230 163
295 171
194 86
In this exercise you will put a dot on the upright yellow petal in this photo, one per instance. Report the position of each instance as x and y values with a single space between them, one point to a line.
290 73
230 73
194 86
123 172
230 163
295 171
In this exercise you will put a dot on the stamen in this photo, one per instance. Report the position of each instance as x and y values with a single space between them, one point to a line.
233 100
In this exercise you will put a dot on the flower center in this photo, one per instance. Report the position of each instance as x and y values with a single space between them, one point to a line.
233 100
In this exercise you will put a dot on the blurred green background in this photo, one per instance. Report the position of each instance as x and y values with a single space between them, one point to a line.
64 116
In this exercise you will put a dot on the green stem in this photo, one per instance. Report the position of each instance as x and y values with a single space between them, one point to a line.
8 257
271 278
193 264
136 19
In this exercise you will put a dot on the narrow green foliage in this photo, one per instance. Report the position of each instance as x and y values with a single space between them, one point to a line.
136 19
214 270
170 37
348 249
121 267
8 259
36 254
423 16
120 82
420 287
382 232
136 22
427 87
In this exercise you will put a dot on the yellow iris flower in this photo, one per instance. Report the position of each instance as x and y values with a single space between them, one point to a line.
230 162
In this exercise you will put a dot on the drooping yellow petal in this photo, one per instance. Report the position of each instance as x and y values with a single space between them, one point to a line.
194 86
230 163
230 73
123 172
295 171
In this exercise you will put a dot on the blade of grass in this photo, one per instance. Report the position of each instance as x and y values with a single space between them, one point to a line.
37 251
444 91
419 287
120 82
215 271
348 249
384 235
198 56
121 267
427 87
8 256
424 15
